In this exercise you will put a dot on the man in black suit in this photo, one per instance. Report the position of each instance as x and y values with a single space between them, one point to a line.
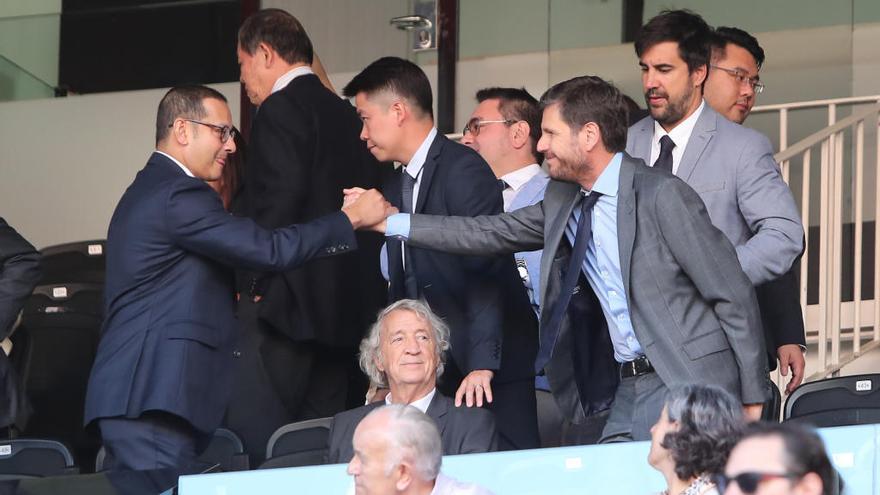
494 334
161 377
405 351
19 273
298 357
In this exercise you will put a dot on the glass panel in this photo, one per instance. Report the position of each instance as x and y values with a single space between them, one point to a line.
28 53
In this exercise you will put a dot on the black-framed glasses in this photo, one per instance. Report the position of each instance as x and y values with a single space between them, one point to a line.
748 482
473 126
743 78
226 131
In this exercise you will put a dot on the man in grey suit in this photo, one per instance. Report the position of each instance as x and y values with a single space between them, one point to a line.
404 351
731 167
669 303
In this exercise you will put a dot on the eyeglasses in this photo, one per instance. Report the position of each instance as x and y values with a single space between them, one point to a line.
473 125
748 482
226 131
743 78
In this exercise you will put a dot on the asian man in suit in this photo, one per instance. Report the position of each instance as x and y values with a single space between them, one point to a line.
483 300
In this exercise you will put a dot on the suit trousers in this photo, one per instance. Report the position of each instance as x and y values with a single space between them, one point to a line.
277 381
637 406
155 440
513 404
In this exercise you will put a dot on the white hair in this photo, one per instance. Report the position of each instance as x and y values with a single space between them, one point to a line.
412 437
371 349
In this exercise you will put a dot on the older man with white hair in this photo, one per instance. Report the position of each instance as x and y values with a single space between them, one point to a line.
404 351
397 451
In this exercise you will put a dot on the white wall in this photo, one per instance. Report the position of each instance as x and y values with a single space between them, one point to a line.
65 162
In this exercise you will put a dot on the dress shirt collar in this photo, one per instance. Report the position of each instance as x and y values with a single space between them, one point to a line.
681 133
414 167
420 404
609 179
290 75
519 177
182 166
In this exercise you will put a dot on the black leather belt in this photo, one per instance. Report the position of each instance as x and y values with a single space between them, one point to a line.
637 367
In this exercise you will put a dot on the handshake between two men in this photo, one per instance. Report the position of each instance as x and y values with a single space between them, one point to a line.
366 209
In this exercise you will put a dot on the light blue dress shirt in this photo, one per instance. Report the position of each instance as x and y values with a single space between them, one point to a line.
601 265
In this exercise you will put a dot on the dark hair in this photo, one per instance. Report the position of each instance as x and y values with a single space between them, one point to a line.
395 75
684 27
517 104
725 35
804 452
183 102
280 30
591 99
709 424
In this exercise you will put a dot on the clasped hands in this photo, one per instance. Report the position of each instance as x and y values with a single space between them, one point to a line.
369 208
366 209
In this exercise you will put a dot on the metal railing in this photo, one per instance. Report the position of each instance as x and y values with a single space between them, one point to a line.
831 321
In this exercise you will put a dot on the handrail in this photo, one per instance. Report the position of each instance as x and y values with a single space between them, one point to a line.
816 137
816 103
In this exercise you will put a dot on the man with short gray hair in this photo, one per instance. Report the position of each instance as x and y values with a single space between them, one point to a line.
404 351
397 450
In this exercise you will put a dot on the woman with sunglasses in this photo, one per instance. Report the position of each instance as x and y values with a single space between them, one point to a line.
697 429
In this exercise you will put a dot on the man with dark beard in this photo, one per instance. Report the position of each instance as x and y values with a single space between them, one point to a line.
729 166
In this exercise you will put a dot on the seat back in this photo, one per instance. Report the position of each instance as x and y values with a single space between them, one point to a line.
81 262
298 444
53 352
225 450
773 405
839 401
30 457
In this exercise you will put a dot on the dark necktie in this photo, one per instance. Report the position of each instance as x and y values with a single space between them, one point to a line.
664 160
411 286
569 280
502 185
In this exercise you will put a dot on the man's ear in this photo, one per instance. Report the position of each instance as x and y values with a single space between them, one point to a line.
400 110
179 132
266 54
589 136
519 134
404 476
698 76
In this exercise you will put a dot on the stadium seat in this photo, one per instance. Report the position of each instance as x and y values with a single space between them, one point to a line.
29 457
79 262
225 450
53 353
298 444
839 401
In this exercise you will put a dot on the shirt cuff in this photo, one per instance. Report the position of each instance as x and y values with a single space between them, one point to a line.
397 226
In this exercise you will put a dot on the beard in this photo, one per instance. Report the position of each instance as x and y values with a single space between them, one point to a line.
675 109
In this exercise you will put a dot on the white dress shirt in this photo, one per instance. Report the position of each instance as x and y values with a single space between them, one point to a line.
182 166
420 404
444 485
290 75
516 180
680 135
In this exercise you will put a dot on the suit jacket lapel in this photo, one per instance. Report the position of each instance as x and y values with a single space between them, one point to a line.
428 171
700 137
555 227
437 410
626 219
644 133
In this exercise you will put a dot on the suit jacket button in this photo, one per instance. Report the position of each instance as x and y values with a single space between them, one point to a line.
236 354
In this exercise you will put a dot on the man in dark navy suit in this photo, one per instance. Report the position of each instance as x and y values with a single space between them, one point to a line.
161 378
482 298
